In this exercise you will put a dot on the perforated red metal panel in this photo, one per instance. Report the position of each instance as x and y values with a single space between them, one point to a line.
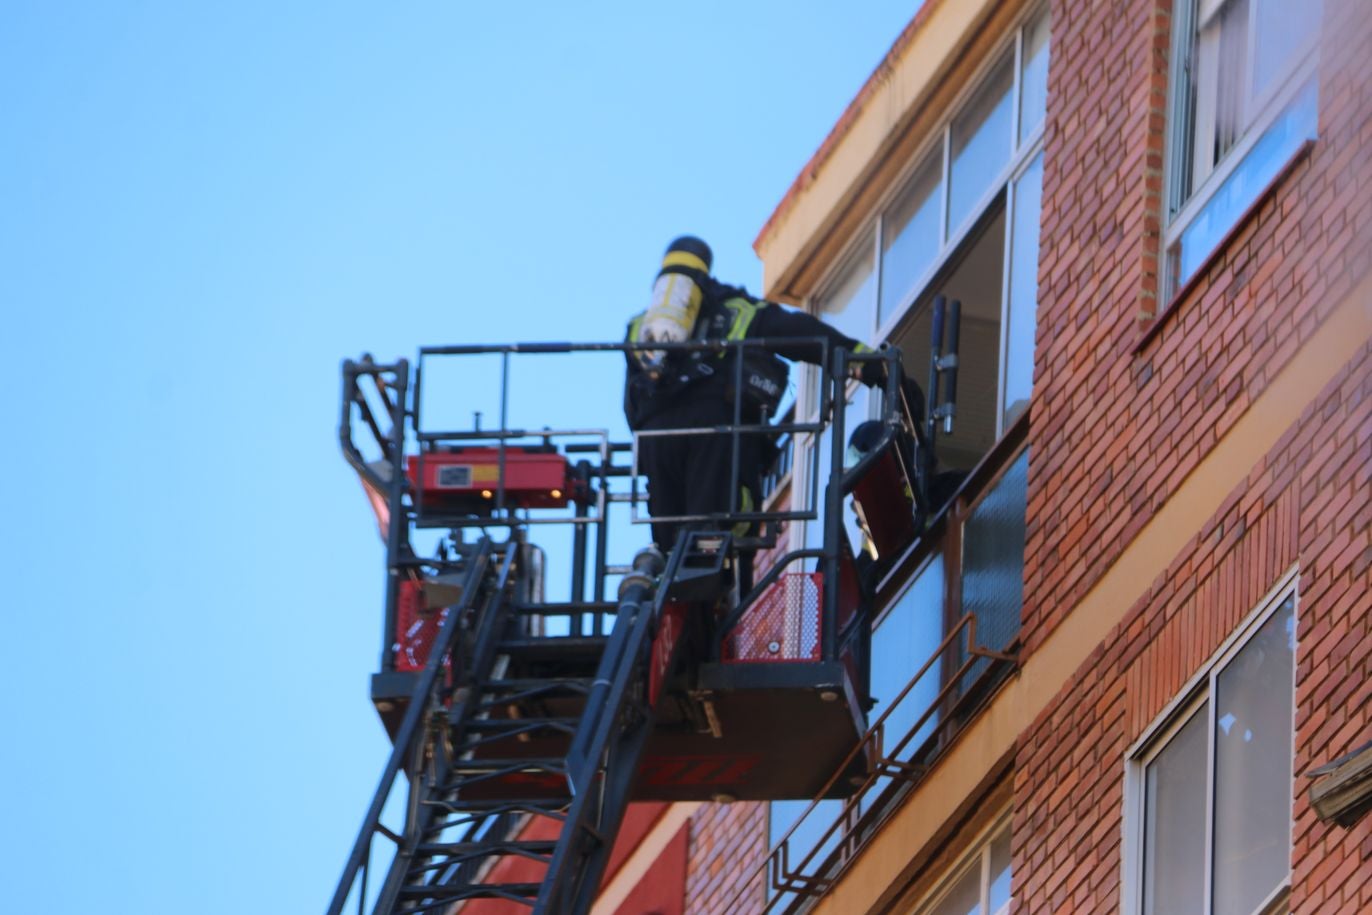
782 624
415 628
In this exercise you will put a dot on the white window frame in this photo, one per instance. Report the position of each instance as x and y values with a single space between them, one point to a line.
1023 152
977 855
1266 109
1200 689
950 240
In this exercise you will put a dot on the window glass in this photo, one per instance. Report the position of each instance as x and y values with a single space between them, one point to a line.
910 234
1253 746
965 896
1232 126
849 306
981 143
1022 313
1222 109
1034 78
983 885
1215 827
1282 28
1174 839
851 302
998 893
1259 168
976 279
901 643
993 561
783 814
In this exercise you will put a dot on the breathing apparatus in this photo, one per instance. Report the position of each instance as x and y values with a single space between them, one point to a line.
675 302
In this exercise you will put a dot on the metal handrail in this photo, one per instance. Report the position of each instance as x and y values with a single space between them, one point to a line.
776 866
403 747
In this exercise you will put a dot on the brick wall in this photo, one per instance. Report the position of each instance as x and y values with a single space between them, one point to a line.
1132 393
728 842
1305 503
1125 408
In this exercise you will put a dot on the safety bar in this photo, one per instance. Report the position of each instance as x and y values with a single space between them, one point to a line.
598 473
887 765
392 446
403 747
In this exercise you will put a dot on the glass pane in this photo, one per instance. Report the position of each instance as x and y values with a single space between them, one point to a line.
1229 37
849 306
981 144
965 896
783 814
1260 166
1253 725
1283 27
999 893
904 640
1024 288
993 562
910 236
978 271
1174 823
1034 79
1183 101
851 302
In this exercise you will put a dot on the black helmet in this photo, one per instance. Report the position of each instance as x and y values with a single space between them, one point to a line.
690 256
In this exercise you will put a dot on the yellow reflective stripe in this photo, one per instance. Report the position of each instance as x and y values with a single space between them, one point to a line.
745 504
634 325
685 259
863 348
744 311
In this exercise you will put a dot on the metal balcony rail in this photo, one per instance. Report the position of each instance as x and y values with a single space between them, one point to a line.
863 813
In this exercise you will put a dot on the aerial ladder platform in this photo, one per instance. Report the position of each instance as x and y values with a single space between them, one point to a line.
522 727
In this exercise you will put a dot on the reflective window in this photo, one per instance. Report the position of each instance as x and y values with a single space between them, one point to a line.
1174 841
1253 746
1034 77
1243 100
910 239
850 303
1242 186
993 562
905 638
982 884
1232 826
981 144
1022 312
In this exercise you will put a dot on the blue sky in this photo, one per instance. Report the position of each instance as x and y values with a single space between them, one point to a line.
203 209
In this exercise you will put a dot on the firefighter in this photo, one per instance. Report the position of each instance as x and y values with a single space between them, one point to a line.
691 474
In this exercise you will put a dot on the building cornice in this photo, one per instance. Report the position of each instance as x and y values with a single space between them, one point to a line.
906 95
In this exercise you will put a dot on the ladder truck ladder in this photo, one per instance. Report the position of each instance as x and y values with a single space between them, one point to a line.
465 807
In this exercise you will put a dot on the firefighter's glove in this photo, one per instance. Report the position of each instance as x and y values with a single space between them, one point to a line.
871 373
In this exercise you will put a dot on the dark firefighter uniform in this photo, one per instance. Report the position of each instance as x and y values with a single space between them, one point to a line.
691 474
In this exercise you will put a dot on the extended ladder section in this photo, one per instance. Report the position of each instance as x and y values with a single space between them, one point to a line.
511 728
522 726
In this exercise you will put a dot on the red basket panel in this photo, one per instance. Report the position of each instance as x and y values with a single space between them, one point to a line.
782 624
415 628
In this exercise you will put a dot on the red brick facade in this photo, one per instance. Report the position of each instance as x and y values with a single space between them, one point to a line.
1125 410
1305 505
727 843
